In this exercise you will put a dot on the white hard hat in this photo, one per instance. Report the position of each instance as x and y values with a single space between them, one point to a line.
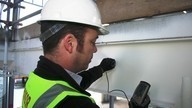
78 11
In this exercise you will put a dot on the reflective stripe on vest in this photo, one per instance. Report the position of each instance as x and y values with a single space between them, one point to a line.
44 93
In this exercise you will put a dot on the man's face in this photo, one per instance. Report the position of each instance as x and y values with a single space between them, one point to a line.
86 54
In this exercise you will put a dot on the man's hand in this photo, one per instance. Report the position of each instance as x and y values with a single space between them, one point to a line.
145 104
107 64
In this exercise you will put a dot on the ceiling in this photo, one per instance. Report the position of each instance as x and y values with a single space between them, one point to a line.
120 10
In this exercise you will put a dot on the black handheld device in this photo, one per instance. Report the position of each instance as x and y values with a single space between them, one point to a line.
140 92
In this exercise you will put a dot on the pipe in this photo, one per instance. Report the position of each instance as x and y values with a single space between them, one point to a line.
187 38
15 17
5 66
28 16
171 39
111 101
34 3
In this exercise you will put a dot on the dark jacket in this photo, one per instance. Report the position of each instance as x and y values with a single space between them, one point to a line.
49 70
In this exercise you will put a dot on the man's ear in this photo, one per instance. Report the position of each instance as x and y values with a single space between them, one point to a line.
67 42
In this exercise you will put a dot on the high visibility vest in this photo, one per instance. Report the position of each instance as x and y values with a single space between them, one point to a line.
43 93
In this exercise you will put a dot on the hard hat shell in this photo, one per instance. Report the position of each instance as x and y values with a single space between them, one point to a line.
77 11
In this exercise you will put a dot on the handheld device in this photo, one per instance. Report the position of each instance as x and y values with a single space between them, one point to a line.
140 92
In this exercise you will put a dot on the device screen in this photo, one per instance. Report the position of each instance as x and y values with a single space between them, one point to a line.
141 92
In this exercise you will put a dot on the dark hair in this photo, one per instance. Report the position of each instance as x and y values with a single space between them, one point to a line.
78 30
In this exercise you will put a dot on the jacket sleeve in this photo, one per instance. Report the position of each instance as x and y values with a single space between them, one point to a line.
90 76
76 102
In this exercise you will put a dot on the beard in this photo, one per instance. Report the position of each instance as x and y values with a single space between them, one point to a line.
80 48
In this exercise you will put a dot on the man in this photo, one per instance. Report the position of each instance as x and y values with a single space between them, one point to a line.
69 29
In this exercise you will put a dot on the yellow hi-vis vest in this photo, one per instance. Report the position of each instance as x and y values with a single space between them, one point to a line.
42 93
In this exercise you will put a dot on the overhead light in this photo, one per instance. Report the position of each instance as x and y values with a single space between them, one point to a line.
184 12
104 25
139 19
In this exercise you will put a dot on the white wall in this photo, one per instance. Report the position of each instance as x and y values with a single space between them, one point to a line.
157 50
26 55
161 64
170 26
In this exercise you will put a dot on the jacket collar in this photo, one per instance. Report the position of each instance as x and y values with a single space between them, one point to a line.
51 71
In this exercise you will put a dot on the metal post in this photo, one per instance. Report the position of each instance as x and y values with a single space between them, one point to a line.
111 101
15 17
5 66
5 72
